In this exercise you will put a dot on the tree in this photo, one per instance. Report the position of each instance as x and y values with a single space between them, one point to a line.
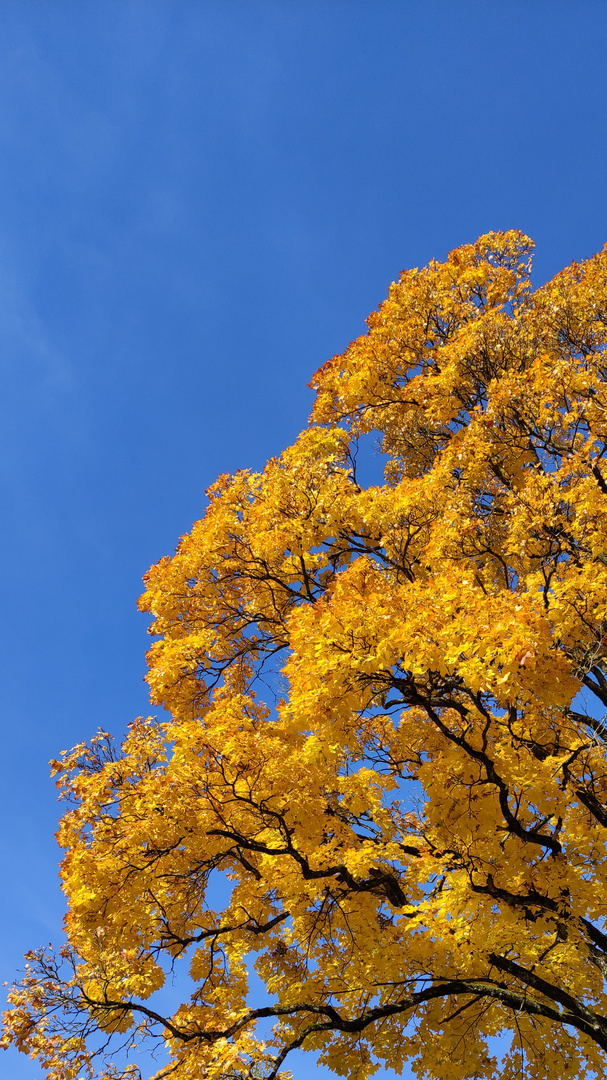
384 732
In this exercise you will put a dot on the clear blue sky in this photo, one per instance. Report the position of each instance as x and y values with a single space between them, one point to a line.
200 201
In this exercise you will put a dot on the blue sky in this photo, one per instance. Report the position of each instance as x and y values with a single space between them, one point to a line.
199 203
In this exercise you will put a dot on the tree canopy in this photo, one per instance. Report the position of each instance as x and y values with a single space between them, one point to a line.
372 822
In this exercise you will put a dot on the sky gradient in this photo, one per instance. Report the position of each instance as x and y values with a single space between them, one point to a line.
200 202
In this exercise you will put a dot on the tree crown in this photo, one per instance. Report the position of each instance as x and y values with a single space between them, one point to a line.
384 736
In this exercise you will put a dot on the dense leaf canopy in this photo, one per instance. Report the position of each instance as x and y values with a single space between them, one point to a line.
374 823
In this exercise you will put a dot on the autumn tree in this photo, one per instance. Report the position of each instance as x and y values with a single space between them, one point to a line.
382 783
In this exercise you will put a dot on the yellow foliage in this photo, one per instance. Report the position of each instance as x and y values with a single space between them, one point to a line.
382 785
